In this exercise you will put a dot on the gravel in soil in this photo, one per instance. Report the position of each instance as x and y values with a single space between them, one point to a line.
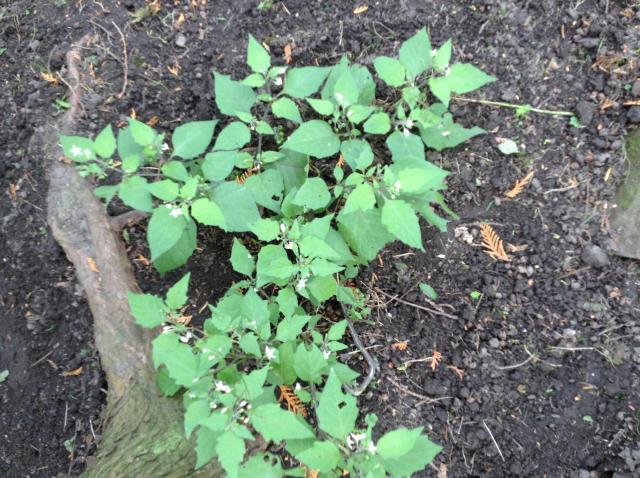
540 366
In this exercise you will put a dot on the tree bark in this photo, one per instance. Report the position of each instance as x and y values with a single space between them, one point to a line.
143 435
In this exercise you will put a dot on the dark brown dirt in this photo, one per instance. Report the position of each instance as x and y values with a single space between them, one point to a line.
571 410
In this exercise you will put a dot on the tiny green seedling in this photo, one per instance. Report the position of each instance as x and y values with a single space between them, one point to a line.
475 295
3 375
295 167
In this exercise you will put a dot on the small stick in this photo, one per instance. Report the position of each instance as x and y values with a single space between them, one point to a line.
521 364
494 440
42 358
129 218
424 398
511 105
125 67
371 362
417 306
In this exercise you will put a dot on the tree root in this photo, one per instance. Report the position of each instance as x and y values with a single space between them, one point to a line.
143 435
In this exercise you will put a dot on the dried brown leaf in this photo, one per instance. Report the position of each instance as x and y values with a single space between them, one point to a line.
360 10
49 77
92 264
400 345
458 371
493 244
72 373
294 404
436 358
288 49
520 184
517 248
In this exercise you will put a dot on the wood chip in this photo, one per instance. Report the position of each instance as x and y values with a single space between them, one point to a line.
92 264
72 373
400 345
288 49
360 10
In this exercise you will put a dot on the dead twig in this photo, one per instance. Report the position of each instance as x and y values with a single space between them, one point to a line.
118 223
417 306
125 63
424 398
494 440
371 362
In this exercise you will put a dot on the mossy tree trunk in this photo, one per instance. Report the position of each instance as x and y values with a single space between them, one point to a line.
143 433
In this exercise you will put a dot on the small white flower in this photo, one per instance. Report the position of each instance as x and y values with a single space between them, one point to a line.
277 81
184 340
211 357
243 403
447 71
409 123
213 405
298 387
166 328
446 133
224 410
302 283
222 387
192 395
434 51
288 245
326 354
248 256
269 352
406 132
283 228
371 448
87 153
354 438
195 380
176 212
339 98
75 150
165 147
396 187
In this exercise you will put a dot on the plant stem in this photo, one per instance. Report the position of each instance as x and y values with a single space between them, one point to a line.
514 106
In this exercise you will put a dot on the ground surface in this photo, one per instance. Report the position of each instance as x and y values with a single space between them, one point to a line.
550 342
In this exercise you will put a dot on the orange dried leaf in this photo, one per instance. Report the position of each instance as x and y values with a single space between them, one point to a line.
174 70
360 10
294 404
309 473
436 358
287 53
632 103
400 345
153 121
133 114
179 21
493 244
49 77
92 264
184 319
458 371
517 248
517 189
72 373
13 192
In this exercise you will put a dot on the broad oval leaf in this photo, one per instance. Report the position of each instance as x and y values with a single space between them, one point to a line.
314 138
190 140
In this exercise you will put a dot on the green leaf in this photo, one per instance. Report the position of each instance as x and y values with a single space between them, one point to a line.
106 192
419 180
195 412
336 332
346 90
357 153
177 294
148 310
232 96
429 291
130 164
182 365
288 301
175 170
305 81
266 229
77 148
205 446
273 266
105 143
313 194
309 363
443 56
241 259
230 450
142 133
447 134
378 123
190 140
276 424
127 146
403 452
411 95
364 232
258 58
293 168
249 344
218 165
360 199
508 146
255 311
322 288
323 456
400 220
390 70
166 384
165 189
234 136
267 188
180 252
133 192
237 205
251 386
464 78
287 109
322 267
207 212
262 127
290 327
262 466
315 138
255 80
336 411
415 54
358 113
164 230
407 150
441 89
322 107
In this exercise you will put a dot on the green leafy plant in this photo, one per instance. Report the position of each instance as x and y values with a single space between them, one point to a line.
324 176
